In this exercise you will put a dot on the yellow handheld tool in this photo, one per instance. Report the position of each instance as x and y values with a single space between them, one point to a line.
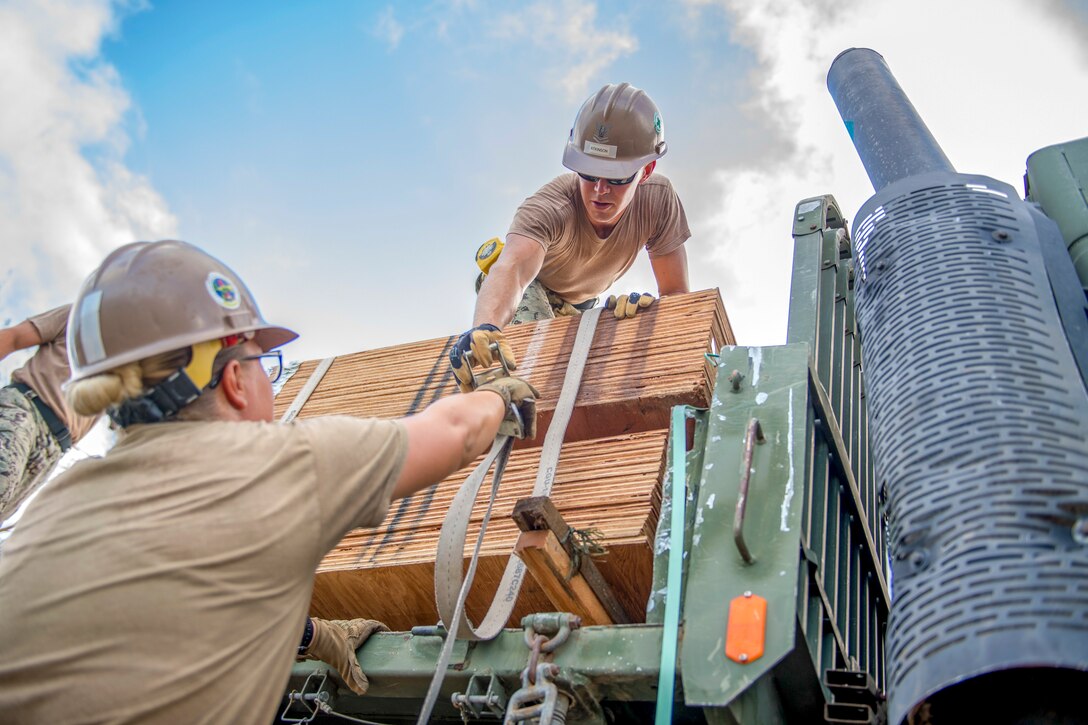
488 252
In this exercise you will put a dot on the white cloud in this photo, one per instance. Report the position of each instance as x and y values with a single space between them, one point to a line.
582 48
388 29
59 105
994 81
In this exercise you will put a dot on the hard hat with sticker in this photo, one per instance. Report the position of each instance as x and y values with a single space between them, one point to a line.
144 300
618 131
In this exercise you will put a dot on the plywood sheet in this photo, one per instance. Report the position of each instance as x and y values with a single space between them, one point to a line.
636 371
610 484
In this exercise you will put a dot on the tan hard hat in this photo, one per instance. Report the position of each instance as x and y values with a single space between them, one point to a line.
617 131
149 298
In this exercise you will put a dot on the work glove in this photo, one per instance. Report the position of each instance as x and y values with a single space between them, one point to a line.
628 305
521 394
560 307
565 309
335 642
478 340
511 389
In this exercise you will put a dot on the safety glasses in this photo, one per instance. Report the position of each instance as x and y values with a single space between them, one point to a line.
271 361
611 182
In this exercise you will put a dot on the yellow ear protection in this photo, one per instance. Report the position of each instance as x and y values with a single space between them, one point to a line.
200 364
165 399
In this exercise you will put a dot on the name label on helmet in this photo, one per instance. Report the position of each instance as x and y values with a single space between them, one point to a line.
600 149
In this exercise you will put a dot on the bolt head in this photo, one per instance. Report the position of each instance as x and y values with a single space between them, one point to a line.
742 657
747 594
1080 530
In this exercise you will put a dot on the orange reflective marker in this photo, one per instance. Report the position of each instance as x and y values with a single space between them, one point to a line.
747 628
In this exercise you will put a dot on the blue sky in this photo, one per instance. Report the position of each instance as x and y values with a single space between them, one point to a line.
347 158
391 140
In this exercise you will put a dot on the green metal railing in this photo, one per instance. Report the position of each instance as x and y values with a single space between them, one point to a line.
844 594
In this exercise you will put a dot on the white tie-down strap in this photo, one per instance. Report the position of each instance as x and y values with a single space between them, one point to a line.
451 591
451 541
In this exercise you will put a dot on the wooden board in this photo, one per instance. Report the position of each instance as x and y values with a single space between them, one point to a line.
636 371
610 484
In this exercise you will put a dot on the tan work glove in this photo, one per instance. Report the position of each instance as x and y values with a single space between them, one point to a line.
560 307
511 389
628 305
566 309
478 340
335 642
521 394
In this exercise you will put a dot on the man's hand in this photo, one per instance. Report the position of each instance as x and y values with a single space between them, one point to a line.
628 305
478 341
511 389
335 642
522 395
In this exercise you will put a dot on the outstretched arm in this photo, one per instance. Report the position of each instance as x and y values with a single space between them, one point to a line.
504 285
671 272
447 436
19 337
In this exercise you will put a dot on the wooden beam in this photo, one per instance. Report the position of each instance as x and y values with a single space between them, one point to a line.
538 513
549 564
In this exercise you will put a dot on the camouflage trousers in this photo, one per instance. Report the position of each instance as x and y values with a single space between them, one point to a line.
28 450
540 303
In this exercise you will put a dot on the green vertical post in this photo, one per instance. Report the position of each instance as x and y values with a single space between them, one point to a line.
667 676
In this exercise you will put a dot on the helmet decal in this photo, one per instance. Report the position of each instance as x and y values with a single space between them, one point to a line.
602 133
657 123
223 291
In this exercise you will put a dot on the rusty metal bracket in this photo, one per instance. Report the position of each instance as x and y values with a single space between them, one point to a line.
317 696
480 700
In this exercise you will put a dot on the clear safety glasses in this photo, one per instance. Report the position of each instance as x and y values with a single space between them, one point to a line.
271 361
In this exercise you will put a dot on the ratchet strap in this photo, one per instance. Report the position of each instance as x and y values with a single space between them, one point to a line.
451 591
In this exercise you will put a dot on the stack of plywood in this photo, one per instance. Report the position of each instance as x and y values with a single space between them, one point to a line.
608 477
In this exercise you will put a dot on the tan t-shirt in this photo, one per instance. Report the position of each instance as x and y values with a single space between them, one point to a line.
48 369
579 265
169 581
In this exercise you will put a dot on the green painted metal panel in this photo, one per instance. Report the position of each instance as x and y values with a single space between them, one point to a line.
774 390
759 705
1057 178
619 662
